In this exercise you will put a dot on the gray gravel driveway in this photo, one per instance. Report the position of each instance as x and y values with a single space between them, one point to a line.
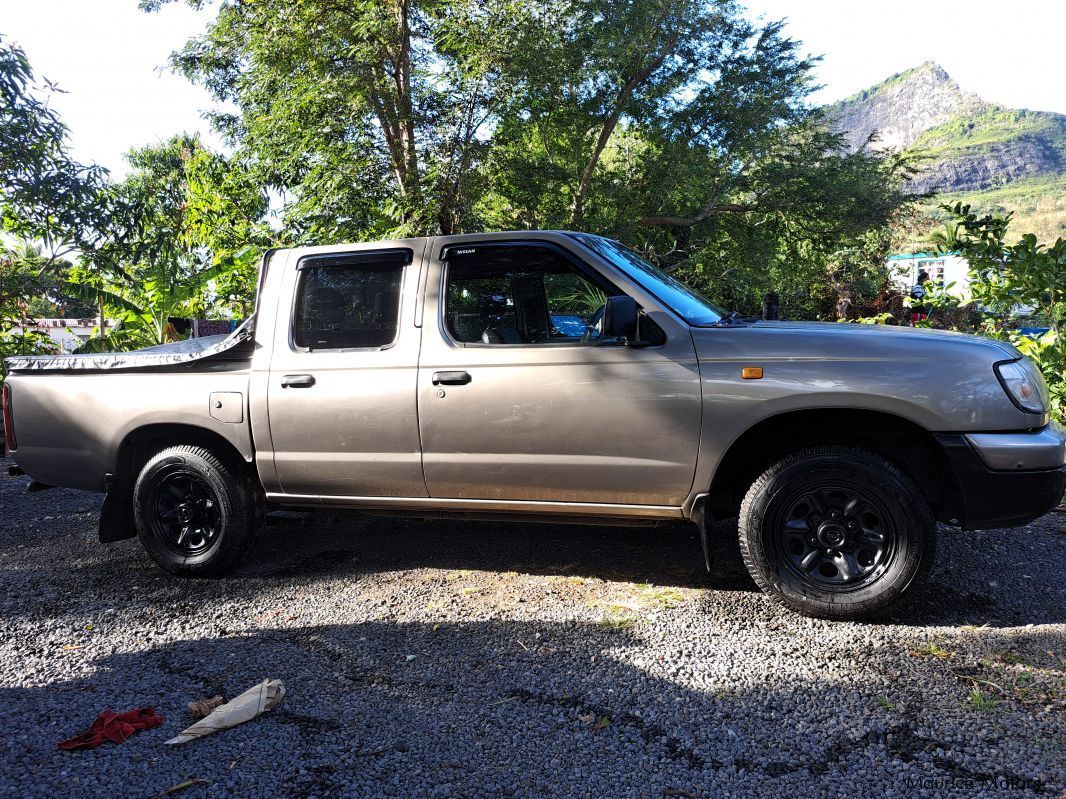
505 660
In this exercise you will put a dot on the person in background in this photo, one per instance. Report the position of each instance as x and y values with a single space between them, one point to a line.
771 305
920 311
845 302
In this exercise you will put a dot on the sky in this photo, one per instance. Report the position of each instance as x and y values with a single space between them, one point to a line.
110 57
1005 52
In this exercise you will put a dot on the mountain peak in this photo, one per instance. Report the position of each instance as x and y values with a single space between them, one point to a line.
934 69
994 157
902 107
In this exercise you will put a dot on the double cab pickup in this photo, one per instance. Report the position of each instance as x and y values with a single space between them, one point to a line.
548 376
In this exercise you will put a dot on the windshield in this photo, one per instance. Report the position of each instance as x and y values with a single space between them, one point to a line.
691 306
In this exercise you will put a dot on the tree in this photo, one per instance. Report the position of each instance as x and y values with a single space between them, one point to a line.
364 113
191 223
31 288
1007 277
224 216
47 196
179 233
44 194
677 125
814 224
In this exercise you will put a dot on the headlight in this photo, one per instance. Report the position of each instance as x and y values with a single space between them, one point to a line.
1024 384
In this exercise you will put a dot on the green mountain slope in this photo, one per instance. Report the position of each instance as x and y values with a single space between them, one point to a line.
1038 204
995 158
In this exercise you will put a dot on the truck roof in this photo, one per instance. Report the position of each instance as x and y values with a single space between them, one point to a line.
546 235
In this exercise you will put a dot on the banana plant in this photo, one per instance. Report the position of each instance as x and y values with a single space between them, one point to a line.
160 290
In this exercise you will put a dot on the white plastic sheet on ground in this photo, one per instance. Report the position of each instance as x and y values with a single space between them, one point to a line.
253 702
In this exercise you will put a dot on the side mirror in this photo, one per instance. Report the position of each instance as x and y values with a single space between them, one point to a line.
620 318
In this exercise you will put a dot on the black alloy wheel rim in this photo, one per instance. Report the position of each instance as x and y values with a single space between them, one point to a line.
187 515
834 537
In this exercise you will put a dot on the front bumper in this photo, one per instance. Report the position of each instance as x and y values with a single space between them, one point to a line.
1005 479
1010 452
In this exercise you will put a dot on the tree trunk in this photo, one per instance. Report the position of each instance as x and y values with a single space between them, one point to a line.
390 96
405 101
577 209
640 74
404 113
103 326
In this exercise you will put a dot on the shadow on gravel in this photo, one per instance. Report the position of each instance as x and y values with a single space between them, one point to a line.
969 583
505 709
669 555
993 578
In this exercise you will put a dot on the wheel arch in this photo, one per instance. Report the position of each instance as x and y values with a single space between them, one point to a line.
905 443
141 443
116 519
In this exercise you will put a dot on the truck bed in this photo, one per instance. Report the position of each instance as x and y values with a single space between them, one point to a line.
235 346
73 413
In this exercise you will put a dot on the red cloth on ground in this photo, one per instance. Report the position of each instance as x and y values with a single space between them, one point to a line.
112 726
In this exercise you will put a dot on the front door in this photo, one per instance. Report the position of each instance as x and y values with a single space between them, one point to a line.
521 398
340 394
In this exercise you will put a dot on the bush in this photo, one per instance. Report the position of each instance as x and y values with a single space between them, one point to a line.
1005 278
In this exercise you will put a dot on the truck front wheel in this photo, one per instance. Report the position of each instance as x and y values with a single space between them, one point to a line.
195 515
836 532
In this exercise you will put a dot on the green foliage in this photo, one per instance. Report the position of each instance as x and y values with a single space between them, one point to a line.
44 194
1049 353
1005 276
877 319
1037 205
15 340
20 280
34 287
992 124
679 127
942 307
981 700
884 86
1026 274
190 230
179 236
570 292
224 209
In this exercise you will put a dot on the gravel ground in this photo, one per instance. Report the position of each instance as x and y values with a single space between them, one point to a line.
502 660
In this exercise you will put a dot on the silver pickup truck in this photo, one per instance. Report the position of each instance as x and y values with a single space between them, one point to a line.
548 376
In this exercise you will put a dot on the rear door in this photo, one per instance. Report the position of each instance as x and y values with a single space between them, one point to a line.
341 388
520 398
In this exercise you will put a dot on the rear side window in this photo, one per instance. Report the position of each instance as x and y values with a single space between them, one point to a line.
349 300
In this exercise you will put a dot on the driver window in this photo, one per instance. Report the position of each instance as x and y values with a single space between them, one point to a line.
521 295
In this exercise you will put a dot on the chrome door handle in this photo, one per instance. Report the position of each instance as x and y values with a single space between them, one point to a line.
451 378
297 381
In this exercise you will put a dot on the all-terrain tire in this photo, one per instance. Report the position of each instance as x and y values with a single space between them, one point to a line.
836 532
196 515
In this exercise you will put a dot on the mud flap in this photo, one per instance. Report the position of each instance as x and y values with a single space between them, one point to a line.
703 521
116 517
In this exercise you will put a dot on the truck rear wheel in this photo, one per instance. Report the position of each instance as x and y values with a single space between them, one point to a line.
836 532
195 515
